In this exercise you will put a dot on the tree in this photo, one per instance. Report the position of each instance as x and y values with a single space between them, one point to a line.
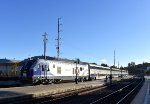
113 66
14 70
135 69
147 72
105 65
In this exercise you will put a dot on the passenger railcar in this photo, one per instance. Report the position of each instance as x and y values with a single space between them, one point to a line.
101 72
98 72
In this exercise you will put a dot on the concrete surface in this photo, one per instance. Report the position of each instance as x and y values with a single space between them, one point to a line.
42 90
143 96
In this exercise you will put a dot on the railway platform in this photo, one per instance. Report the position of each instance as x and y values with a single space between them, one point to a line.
143 96
28 92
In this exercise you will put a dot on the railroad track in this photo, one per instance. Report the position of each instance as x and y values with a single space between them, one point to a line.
121 96
119 93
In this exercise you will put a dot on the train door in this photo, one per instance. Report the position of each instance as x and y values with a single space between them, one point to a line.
45 72
42 71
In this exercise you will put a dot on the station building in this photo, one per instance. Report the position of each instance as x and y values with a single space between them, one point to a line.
10 68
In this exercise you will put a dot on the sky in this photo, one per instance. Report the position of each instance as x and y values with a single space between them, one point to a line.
91 29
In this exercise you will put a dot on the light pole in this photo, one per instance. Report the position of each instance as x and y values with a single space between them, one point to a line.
121 72
45 41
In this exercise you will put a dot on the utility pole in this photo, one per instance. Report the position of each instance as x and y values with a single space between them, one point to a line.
118 64
58 39
45 41
114 58
121 71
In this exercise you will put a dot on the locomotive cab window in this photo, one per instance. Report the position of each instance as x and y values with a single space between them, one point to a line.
42 67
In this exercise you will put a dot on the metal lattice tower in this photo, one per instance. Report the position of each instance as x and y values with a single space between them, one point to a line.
58 39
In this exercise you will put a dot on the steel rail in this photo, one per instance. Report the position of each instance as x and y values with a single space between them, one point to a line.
129 93
112 93
71 93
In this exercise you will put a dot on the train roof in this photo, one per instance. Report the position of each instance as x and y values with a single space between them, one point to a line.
115 69
54 59
95 65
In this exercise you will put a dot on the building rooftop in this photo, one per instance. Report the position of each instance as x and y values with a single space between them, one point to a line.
9 61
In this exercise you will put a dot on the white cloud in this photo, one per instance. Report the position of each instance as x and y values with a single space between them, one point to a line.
103 61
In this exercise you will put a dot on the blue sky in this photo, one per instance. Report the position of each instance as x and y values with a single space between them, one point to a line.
91 29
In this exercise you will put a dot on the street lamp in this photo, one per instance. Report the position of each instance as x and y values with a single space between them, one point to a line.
121 71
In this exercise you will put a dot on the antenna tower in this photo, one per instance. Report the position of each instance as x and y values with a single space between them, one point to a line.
58 39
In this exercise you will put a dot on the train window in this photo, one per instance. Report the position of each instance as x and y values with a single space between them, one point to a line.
58 70
48 68
53 65
42 67
39 66
80 68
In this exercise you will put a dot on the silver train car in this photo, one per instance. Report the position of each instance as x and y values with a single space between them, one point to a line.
101 72
52 71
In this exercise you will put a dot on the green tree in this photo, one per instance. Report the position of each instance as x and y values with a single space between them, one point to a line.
105 65
13 71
